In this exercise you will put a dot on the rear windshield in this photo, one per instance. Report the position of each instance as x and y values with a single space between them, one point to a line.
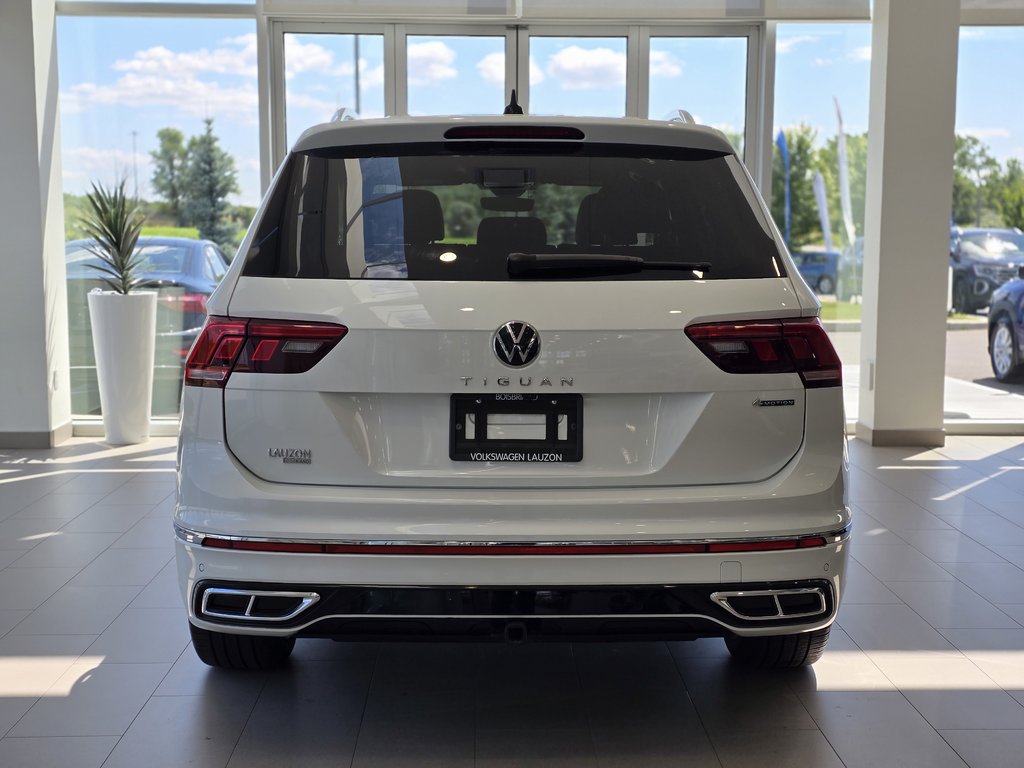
456 211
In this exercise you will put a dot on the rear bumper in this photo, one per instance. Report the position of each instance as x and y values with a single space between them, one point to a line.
218 497
480 596
514 613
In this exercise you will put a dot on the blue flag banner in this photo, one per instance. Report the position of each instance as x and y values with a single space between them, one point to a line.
784 152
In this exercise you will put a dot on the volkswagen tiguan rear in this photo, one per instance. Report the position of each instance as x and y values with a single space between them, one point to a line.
512 379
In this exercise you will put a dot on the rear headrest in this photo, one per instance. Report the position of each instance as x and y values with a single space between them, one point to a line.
514 233
585 233
628 215
423 219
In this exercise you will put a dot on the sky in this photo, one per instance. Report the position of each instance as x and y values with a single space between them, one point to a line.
120 77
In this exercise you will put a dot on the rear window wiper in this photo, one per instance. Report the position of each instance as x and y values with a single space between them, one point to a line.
594 264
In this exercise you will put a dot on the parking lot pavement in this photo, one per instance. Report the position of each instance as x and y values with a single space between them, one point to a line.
971 389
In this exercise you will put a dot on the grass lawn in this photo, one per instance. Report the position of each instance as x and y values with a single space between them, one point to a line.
189 232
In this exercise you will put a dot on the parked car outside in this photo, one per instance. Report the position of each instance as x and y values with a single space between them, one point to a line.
818 267
1006 329
628 427
184 273
850 271
982 260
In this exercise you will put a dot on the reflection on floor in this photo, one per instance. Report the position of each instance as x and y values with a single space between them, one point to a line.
926 667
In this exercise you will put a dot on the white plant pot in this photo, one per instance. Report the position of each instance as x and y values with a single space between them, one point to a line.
123 338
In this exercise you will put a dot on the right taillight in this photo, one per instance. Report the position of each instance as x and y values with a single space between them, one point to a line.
229 345
797 345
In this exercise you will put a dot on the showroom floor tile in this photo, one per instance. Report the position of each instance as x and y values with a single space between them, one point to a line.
925 666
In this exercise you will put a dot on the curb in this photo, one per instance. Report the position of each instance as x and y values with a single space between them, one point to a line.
839 326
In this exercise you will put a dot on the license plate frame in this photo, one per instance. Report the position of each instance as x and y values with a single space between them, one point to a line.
475 409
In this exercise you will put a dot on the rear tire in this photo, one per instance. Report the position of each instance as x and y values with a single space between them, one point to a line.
961 300
826 285
779 651
219 649
1002 351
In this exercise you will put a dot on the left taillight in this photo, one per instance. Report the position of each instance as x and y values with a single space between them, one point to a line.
798 345
228 345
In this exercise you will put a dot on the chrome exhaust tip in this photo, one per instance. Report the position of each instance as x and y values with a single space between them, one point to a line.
770 604
254 605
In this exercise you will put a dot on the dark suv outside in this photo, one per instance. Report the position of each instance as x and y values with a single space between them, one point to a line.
982 260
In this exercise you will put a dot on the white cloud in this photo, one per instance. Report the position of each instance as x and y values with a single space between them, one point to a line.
491 69
195 97
787 44
370 77
664 64
823 62
987 133
973 33
584 68
83 165
861 54
536 73
306 101
430 62
160 77
302 57
238 57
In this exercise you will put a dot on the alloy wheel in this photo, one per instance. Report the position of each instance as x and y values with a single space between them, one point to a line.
1002 350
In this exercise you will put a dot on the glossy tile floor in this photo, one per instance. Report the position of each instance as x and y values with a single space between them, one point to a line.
926 666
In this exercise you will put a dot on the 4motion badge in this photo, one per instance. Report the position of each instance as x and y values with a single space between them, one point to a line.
759 403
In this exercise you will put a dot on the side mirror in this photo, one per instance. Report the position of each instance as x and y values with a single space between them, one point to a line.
955 256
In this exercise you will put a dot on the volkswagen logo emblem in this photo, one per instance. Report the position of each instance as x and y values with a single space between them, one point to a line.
516 343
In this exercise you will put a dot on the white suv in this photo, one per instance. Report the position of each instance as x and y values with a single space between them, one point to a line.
512 378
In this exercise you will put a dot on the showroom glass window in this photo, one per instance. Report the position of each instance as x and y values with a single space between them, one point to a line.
327 71
986 248
817 67
124 82
703 75
578 76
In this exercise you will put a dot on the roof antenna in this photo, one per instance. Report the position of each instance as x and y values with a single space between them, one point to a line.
513 107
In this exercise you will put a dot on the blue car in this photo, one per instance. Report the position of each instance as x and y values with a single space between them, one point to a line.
184 273
1006 330
818 267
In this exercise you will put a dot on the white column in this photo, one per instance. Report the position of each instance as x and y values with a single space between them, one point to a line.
35 402
906 228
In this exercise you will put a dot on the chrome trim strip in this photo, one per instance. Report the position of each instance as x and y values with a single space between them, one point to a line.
307 599
824 621
196 538
722 599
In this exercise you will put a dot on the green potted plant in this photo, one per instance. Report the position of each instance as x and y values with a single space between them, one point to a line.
123 318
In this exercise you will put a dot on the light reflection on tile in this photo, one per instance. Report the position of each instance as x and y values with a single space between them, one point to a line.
927 656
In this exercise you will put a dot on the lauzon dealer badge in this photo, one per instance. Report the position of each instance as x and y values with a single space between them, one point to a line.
292 455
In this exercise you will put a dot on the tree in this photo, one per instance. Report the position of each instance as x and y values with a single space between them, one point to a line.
208 178
168 166
973 169
1011 194
804 223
